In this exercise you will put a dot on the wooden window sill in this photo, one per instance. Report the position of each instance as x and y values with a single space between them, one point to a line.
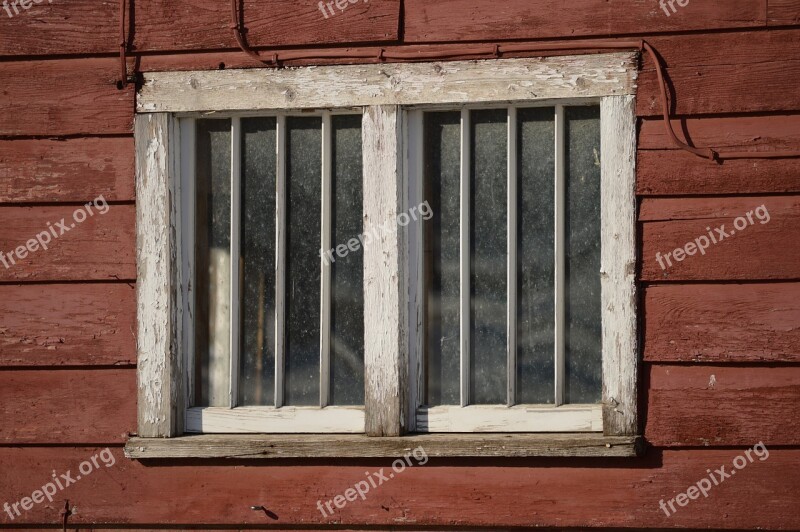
253 446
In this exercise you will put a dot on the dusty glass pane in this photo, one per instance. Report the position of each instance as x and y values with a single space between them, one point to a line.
257 357
303 187
583 326
535 260
213 262
488 237
442 169
347 273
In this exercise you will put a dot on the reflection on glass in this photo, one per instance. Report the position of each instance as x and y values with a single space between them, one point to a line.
257 357
488 238
347 273
535 256
213 262
583 322
442 164
304 203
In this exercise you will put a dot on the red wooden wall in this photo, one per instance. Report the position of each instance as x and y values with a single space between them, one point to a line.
721 333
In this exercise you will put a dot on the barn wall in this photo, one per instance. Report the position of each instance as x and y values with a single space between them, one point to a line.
721 333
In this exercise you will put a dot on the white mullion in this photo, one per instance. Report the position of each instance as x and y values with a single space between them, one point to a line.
325 288
464 225
560 252
512 257
280 257
236 175
414 164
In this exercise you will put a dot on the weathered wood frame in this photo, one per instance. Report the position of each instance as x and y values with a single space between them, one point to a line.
391 396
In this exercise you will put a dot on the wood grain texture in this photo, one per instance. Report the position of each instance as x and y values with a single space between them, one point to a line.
91 27
67 406
712 405
783 12
741 133
766 249
491 493
385 276
74 170
64 97
100 248
618 266
159 305
67 324
679 173
746 72
587 76
460 20
351 446
732 323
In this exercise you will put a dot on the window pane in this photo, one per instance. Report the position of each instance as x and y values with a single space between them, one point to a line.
347 273
304 203
257 377
583 325
535 259
213 262
442 175
488 237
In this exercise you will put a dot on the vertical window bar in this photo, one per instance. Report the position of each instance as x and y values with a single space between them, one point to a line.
511 336
465 256
280 258
325 277
560 251
236 219
188 284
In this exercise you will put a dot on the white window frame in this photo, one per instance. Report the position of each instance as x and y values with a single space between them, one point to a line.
392 281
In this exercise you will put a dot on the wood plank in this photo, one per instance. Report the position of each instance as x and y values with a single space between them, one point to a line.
783 12
766 249
743 72
713 405
459 494
69 406
618 266
361 446
64 97
727 323
67 324
411 84
385 275
159 297
741 133
74 170
679 173
51 29
98 247
476 20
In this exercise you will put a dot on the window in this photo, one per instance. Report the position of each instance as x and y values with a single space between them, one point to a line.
512 268
510 307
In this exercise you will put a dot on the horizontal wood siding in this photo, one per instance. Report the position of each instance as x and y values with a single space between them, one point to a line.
67 406
72 324
735 323
92 26
720 332
448 493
